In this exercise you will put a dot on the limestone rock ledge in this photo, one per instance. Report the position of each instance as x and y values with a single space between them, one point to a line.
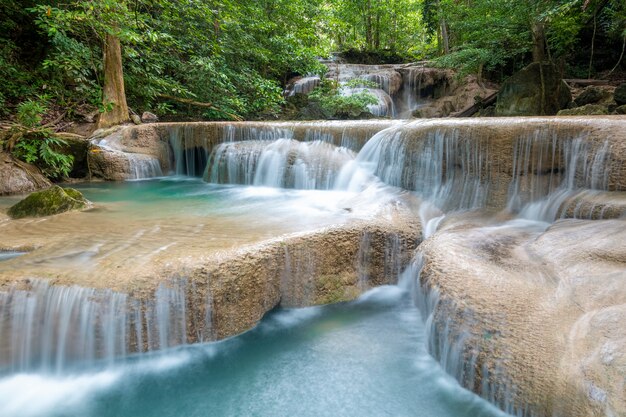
531 320
209 298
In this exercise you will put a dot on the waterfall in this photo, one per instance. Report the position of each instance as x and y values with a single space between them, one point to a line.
304 85
531 168
49 327
142 167
410 98
384 106
585 167
284 163
55 328
451 340
539 172
422 166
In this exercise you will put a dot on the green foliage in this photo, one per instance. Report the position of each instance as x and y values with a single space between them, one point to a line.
34 144
360 83
494 34
30 112
42 150
335 104
238 55
376 25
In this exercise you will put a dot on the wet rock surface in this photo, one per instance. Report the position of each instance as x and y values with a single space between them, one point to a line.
532 305
211 295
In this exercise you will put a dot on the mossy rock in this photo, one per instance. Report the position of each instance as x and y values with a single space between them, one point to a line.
48 202
521 94
620 94
592 95
587 110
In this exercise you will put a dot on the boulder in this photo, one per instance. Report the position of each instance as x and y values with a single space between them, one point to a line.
18 177
620 94
586 110
535 90
48 202
592 95
449 96
148 117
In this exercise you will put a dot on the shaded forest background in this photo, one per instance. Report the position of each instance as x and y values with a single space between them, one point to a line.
237 55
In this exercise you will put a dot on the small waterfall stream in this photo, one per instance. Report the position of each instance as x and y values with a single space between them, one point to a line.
282 163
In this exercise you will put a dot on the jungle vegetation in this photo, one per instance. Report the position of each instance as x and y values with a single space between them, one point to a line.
230 59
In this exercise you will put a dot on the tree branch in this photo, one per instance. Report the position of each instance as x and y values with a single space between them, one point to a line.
199 104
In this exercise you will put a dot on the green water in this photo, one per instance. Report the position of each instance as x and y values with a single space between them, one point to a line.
365 358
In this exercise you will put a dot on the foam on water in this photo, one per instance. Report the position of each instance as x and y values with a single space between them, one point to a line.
33 395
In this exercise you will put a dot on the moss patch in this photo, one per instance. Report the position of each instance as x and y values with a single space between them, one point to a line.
586 110
335 288
54 200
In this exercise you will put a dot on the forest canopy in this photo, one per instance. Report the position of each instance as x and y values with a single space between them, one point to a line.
236 56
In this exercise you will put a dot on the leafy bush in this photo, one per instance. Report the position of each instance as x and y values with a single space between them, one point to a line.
42 150
35 144
337 105
30 112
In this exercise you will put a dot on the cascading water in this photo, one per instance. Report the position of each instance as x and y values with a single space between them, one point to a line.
423 167
585 168
304 85
282 163
142 167
535 172
57 328
384 106
455 169
411 92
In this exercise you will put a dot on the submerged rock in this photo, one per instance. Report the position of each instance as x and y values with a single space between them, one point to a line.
48 202
534 91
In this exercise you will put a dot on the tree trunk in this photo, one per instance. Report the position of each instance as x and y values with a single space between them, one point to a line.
377 31
445 37
593 43
369 40
113 94
539 41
